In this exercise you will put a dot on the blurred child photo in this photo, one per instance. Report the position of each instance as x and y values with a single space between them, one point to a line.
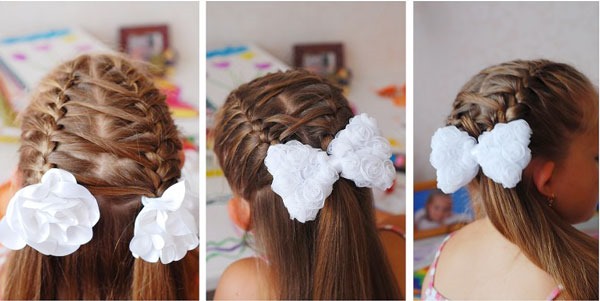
437 212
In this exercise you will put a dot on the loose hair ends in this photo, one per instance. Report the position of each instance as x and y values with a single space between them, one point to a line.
336 256
524 218
556 101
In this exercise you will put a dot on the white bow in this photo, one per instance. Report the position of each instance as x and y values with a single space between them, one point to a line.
165 228
55 216
303 176
502 153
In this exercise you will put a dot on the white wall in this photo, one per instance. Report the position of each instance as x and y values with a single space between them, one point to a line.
455 40
103 20
373 34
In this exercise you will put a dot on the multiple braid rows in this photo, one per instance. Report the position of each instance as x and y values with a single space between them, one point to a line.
337 256
104 121
555 100
294 105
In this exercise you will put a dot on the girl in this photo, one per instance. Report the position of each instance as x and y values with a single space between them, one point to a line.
99 151
437 212
536 125
265 130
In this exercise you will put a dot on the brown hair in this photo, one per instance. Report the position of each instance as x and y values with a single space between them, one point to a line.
556 100
102 119
337 256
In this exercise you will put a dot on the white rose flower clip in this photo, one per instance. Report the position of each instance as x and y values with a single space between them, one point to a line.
165 228
55 216
502 153
303 176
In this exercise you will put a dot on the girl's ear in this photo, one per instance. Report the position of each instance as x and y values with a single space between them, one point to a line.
542 171
239 212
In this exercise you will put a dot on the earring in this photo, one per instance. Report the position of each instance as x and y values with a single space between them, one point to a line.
551 200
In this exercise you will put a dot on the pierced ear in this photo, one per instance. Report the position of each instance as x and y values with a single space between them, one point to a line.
239 212
542 176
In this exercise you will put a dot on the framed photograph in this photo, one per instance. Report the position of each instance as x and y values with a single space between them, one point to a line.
145 42
323 59
437 213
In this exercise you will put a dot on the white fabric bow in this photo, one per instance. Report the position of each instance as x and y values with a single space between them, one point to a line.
165 228
303 176
55 216
502 153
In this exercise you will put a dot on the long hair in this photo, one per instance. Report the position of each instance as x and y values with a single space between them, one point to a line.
337 256
558 102
102 119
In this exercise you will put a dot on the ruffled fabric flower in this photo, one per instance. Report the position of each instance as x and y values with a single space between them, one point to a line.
452 159
164 229
304 176
362 155
502 153
55 216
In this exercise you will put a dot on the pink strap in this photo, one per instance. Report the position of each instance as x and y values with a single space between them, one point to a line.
435 260
555 293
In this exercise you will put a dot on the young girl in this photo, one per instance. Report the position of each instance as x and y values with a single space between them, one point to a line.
524 136
100 203
437 212
287 143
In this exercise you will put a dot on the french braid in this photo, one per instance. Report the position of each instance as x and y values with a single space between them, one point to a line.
338 256
557 102
101 118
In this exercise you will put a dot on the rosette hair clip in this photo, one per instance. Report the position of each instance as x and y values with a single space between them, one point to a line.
56 217
166 228
502 153
303 176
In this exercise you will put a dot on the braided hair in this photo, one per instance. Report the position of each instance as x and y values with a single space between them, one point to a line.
103 120
339 255
557 102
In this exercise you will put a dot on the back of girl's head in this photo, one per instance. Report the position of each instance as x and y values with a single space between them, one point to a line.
100 118
558 103
339 254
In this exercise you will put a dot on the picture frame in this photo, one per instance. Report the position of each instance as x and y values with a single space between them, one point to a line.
460 214
144 42
323 59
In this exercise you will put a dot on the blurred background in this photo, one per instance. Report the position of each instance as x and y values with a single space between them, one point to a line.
358 45
455 40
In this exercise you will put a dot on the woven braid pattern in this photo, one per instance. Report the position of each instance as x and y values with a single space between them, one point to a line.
103 120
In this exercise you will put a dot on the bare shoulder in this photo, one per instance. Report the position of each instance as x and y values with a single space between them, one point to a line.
478 262
244 279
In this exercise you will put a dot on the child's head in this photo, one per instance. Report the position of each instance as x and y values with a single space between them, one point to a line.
560 184
338 255
100 118
438 206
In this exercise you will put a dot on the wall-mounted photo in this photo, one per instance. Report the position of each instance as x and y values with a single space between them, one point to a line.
145 42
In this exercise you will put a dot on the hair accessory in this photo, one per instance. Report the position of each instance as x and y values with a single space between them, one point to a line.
165 228
55 216
303 176
502 153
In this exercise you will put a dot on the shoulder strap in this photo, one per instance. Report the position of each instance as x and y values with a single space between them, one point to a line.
433 267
